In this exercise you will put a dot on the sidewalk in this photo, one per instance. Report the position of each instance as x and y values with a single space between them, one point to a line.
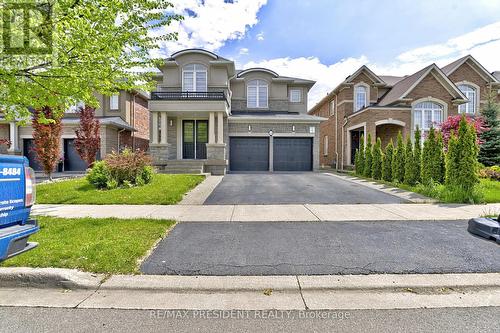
275 213
73 289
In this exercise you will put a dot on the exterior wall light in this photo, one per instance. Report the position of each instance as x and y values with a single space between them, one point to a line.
171 123
249 128
293 128
271 132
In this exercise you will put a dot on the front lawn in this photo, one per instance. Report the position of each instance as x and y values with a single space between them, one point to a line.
491 190
163 190
94 245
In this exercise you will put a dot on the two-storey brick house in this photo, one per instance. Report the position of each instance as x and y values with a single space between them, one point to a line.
367 103
206 116
124 120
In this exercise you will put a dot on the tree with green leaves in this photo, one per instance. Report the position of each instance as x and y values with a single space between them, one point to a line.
83 47
417 158
387 162
398 163
360 157
468 153
377 160
429 160
368 157
439 156
409 177
489 153
452 160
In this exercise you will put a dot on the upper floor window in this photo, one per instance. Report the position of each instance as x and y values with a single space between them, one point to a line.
194 78
332 108
471 94
295 95
257 91
427 115
360 97
114 102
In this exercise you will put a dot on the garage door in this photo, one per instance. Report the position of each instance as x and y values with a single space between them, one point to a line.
292 154
72 161
249 154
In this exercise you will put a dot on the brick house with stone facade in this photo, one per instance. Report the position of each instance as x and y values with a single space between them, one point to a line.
367 103
206 116
124 119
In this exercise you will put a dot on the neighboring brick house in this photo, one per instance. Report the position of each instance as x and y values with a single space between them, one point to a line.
208 116
124 120
366 103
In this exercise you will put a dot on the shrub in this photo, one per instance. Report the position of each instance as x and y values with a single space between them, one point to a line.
126 169
417 157
440 164
387 162
360 157
398 162
377 160
368 158
452 124
490 148
492 172
99 175
408 177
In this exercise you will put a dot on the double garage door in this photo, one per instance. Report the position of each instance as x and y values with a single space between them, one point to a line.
72 161
252 154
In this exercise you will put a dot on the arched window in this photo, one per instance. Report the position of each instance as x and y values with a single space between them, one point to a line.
471 93
257 91
194 78
427 115
360 97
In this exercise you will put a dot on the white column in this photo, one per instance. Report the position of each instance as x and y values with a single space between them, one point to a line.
164 126
13 137
211 128
220 127
154 129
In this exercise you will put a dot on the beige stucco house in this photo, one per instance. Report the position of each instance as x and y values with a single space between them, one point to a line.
206 116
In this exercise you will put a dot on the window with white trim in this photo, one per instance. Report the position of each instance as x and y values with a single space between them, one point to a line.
332 107
295 95
257 94
360 97
75 108
325 145
114 102
471 93
427 115
194 78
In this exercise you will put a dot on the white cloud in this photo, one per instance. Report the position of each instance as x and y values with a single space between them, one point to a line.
244 50
260 36
483 44
209 24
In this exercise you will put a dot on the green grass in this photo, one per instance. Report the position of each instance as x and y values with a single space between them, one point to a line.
491 190
163 190
94 245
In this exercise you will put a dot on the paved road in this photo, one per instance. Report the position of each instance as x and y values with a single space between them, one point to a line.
293 188
22 319
298 248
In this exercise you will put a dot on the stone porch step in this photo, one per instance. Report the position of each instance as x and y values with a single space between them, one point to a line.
181 170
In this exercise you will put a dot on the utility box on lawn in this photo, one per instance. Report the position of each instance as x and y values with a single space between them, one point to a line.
17 195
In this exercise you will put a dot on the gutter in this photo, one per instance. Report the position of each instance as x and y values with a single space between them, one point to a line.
343 152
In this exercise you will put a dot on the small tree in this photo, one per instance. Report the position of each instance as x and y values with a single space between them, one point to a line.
417 157
439 156
489 153
409 157
429 160
88 139
452 160
368 158
452 123
47 130
387 162
398 163
377 160
468 152
360 157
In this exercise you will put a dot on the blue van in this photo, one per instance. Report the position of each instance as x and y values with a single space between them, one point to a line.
17 195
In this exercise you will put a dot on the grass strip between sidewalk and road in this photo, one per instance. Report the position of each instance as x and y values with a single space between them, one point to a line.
95 245
163 190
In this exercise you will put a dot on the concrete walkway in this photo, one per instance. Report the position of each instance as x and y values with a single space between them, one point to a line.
276 213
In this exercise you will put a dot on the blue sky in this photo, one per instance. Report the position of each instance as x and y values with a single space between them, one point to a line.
326 40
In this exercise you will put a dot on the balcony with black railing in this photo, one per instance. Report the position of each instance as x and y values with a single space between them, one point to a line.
189 96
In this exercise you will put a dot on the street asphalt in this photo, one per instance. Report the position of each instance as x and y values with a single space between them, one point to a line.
25 319
312 248
294 188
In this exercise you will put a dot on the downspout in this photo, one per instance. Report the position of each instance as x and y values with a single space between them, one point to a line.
336 135
132 116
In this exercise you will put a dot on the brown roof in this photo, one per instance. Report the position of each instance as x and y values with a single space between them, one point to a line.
497 75
402 86
451 66
391 80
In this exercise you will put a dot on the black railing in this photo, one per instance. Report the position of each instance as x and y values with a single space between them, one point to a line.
189 95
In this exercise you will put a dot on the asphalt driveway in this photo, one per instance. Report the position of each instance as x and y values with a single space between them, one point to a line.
314 248
294 188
